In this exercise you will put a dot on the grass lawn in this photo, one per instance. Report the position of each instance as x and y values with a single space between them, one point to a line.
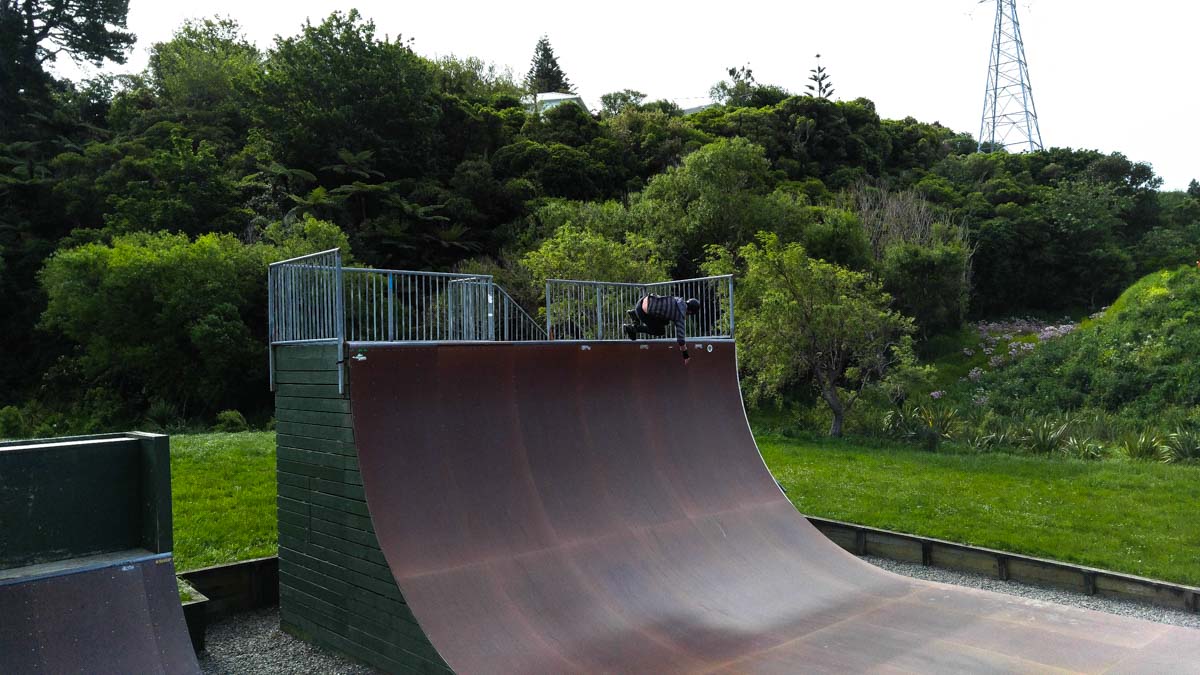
223 488
1134 517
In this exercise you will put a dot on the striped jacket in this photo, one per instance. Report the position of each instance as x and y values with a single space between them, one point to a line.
668 309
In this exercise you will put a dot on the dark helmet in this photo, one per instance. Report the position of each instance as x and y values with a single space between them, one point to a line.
693 306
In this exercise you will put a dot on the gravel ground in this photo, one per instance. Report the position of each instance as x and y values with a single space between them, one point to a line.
1139 610
252 643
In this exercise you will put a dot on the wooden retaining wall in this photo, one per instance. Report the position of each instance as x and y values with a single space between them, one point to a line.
1006 566
335 587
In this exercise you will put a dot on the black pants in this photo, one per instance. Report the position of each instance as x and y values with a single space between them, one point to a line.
650 325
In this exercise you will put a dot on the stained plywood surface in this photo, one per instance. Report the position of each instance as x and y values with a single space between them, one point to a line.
120 617
555 508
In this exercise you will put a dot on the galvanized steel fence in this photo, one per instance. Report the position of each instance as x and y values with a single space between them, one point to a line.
314 298
596 310
398 306
304 298
512 322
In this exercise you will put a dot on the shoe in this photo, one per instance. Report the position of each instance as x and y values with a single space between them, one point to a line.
630 331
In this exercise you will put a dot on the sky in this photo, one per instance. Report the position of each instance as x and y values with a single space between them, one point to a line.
1105 75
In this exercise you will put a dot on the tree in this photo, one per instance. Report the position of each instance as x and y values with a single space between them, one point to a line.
800 318
743 90
33 32
473 79
614 102
576 252
544 73
204 76
714 197
1193 189
821 87
337 85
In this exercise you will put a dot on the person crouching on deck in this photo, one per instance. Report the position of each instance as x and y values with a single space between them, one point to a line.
652 313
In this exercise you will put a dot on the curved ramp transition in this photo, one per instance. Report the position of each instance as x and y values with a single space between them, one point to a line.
113 615
562 507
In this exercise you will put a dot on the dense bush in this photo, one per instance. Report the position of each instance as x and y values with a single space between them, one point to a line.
162 317
12 423
230 420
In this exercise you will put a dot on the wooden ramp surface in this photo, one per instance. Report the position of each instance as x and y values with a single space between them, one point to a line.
562 507
119 615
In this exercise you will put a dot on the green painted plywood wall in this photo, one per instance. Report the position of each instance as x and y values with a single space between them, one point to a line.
335 587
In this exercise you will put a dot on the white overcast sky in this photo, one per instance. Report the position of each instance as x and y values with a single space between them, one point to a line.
1106 75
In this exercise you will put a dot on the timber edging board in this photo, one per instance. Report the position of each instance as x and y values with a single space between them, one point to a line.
335 587
863 540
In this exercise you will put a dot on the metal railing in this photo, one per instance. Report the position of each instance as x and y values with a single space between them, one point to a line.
400 306
596 310
304 298
314 298
513 323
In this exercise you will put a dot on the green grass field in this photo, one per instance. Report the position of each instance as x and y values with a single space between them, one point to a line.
1132 517
223 488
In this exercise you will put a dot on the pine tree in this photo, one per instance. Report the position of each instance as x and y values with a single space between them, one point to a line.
821 86
544 73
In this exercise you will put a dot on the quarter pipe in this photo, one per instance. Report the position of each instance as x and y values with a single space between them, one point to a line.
567 507
108 614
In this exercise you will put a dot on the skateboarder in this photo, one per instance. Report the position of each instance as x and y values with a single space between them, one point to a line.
652 313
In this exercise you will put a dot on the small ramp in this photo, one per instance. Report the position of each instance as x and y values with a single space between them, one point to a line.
105 614
87 581
567 507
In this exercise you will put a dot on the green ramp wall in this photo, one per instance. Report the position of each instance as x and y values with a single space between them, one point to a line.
335 587
65 498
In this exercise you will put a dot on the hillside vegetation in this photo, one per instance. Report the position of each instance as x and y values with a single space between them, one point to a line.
138 212
1136 360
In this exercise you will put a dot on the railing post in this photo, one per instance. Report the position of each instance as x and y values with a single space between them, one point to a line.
455 287
491 308
391 311
731 323
271 325
599 313
549 328
339 320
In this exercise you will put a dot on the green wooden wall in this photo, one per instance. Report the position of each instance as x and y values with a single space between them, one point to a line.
335 587
71 497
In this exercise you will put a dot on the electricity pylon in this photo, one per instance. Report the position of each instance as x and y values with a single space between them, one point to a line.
1009 115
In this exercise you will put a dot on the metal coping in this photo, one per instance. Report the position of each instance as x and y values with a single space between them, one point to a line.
80 569
31 444
432 343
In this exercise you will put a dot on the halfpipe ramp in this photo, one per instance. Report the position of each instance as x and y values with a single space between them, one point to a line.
570 507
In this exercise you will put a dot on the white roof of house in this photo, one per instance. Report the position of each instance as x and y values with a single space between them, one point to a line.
549 99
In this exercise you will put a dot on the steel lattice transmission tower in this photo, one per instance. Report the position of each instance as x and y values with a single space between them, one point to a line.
1009 116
